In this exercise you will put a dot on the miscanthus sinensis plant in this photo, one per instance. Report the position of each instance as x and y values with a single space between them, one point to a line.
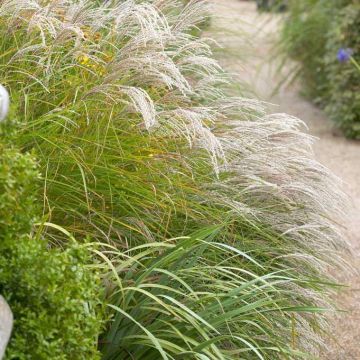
213 223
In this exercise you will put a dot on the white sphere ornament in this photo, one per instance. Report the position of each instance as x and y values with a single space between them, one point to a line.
4 103
6 324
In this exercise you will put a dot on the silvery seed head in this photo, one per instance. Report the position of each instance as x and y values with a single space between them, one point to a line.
4 103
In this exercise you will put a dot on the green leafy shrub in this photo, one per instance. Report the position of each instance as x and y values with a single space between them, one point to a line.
18 174
313 33
343 104
53 296
52 293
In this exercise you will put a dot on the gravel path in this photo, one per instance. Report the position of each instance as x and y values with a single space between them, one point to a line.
247 39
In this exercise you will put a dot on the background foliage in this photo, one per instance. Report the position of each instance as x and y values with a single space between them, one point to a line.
343 104
314 32
272 5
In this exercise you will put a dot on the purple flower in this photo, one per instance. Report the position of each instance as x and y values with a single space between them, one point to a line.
344 55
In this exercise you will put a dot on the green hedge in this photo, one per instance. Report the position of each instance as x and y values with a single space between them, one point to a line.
52 293
313 34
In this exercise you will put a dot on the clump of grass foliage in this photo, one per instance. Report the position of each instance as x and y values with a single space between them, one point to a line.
313 33
209 222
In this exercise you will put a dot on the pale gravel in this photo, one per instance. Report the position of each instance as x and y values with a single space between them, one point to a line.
247 39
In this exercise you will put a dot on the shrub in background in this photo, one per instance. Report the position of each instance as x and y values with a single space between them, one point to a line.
52 293
343 78
272 5
313 34
304 37
213 221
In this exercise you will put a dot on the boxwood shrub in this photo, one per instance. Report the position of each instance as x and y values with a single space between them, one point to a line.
54 296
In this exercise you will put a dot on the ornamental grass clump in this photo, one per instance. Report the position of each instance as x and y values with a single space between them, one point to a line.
209 221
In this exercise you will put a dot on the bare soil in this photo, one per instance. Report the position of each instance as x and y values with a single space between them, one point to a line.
247 39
